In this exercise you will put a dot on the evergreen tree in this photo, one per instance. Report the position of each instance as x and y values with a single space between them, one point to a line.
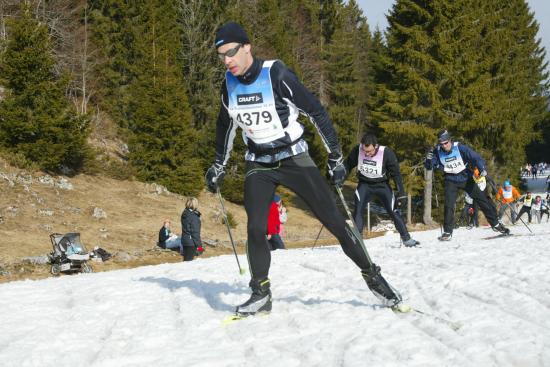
112 23
163 141
36 119
346 76
474 68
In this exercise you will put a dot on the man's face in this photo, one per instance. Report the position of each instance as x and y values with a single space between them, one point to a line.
370 150
445 145
241 59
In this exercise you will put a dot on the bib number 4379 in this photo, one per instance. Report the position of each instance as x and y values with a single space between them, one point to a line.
254 118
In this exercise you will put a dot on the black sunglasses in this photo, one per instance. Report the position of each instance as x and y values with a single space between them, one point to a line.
229 53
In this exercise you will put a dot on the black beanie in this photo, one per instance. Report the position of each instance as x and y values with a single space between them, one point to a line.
231 32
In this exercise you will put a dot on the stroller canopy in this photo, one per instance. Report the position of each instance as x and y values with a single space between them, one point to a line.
68 243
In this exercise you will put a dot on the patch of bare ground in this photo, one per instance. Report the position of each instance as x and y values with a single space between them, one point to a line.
122 217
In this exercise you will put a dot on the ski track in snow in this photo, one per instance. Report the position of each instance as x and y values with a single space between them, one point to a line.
497 291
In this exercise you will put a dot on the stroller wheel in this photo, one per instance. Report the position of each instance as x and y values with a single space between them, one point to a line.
86 268
56 269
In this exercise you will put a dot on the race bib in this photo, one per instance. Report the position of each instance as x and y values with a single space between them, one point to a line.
371 167
452 162
252 107
507 194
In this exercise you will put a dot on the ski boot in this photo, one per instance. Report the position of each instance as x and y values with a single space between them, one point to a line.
410 242
380 287
446 236
500 228
259 301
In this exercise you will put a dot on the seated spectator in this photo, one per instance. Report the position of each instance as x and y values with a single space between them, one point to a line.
274 226
191 243
167 239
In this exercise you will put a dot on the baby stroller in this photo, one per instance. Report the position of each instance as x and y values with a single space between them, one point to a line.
69 254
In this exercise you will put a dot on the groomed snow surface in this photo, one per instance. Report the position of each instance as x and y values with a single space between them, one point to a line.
496 291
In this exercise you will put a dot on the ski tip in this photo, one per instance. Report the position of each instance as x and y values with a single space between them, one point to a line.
237 317
401 308
231 319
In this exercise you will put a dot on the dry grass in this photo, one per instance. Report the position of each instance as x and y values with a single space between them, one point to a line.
31 210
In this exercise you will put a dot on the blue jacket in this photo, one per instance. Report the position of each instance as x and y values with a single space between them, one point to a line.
470 158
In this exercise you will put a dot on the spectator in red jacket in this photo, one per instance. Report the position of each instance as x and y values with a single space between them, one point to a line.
274 226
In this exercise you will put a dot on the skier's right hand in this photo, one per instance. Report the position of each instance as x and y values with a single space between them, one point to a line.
214 177
429 156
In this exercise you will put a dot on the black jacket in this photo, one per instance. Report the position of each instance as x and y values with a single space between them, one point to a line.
191 228
164 234
390 168
289 94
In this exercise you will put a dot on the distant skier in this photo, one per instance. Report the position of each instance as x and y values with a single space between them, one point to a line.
507 197
458 161
527 201
544 209
468 215
264 99
375 165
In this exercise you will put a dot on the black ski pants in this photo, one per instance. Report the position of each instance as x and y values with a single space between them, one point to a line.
524 209
451 193
300 174
364 194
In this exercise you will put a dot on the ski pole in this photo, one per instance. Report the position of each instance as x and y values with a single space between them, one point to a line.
353 227
522 221
241 270
318 234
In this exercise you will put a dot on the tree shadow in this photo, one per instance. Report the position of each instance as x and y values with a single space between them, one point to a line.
211 292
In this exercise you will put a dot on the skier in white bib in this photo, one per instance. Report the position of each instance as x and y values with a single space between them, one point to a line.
376 164
458 162
264 99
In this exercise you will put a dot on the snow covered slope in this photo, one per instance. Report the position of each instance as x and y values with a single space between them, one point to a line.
497 291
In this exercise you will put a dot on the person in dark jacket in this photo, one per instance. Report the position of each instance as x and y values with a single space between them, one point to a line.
375 165
264 98
458 162
191 243
167 239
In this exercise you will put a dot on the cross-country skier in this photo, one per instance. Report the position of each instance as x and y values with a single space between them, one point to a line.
264 98
375 165
507 196
527 201
458 161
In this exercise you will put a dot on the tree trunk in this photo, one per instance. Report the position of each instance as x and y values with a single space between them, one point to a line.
428 184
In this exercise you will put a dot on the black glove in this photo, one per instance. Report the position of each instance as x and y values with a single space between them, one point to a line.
429 156
336 170
214 177
401 201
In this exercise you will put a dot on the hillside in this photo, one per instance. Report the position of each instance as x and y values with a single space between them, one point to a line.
122 217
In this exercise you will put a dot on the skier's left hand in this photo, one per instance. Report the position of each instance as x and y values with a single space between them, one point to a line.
401 201
336 170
